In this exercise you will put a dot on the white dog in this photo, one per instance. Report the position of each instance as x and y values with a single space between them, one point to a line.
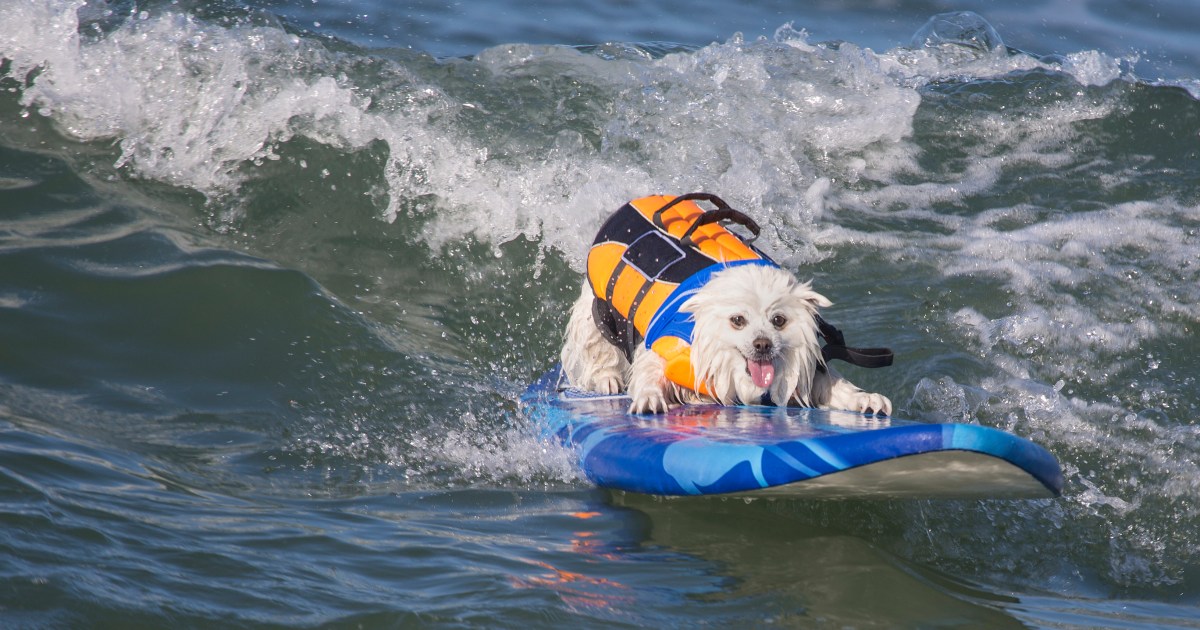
755 341
681 310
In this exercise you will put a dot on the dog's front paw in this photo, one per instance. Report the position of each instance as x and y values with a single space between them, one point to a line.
651 401
607 382
871 403
609 385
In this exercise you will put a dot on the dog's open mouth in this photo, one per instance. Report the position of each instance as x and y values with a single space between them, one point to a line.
762 371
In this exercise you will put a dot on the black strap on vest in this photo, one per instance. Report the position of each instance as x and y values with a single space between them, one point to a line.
836 348
715 216
724 212
615 328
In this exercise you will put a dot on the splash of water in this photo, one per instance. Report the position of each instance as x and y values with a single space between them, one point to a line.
521 140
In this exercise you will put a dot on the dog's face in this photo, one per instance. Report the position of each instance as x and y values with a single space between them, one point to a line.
755 334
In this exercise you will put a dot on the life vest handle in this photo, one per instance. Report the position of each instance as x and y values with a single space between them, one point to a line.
724 212
703 196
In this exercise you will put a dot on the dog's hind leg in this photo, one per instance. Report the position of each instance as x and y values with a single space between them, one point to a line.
589 360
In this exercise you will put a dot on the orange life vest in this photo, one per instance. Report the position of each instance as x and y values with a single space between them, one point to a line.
649 258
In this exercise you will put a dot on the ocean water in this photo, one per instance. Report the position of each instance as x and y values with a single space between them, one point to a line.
273 275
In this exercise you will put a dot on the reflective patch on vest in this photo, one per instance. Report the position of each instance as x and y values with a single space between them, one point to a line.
652 253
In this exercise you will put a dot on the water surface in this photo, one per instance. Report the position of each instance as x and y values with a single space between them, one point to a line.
273 276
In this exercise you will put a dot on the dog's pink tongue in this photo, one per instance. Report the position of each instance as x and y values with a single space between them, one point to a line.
761 372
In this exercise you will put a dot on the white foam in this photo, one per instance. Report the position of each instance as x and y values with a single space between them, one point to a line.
1051 266
778 126
1140 485
1091 67
484 455
795 133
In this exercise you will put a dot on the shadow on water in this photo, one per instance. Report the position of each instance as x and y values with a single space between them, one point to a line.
812 574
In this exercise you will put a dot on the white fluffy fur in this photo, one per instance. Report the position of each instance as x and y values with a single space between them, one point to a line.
720 350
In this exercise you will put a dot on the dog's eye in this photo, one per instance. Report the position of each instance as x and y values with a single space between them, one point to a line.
779 321
738 321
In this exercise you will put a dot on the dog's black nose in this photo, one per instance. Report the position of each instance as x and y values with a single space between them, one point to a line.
762 345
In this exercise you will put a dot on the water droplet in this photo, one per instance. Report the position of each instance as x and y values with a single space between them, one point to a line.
962 28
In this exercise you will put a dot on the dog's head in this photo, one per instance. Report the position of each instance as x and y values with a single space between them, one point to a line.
755 334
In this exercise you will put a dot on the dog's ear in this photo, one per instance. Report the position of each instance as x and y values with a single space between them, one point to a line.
819 300
803 290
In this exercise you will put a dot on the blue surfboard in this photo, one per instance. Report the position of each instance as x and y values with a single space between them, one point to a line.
786 451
